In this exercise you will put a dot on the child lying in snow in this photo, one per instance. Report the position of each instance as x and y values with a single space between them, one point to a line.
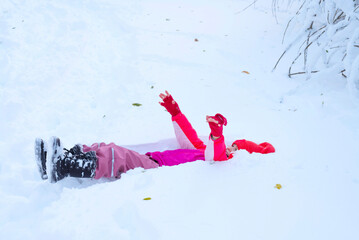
109 160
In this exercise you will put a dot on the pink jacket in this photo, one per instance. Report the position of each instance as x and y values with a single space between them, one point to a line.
192 148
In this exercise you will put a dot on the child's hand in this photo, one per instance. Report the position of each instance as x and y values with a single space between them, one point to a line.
216 124
170 104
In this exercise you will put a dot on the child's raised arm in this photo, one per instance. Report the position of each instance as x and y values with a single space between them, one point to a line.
170 104
186 136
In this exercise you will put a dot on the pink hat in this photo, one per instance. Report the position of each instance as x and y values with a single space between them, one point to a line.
251 147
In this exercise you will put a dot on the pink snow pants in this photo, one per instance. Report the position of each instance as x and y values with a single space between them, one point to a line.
114 160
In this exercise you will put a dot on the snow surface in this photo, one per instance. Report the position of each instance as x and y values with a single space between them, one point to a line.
73 69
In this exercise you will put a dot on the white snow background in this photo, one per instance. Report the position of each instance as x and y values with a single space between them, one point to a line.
73 69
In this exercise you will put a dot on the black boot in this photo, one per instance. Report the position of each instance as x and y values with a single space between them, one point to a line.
71 163
40 157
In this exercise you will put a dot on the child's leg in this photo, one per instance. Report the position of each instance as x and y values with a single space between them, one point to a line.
114 160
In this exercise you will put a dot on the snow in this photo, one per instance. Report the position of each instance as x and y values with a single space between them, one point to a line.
73 69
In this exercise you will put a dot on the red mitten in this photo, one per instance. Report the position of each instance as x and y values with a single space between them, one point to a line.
171 106
217 128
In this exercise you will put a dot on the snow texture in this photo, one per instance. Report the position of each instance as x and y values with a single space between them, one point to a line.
73 69
323 34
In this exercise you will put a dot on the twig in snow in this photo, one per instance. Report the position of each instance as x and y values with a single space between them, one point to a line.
342 72
301 73
279 60
289 47
308 45
290 68
318 30
286 29
291 20
317 38
341 28
306 51
311 26
336 11
300 8
247 7
338 18
306 48
274 9
336 47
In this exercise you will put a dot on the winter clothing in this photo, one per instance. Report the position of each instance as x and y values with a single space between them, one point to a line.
251 147
114 160
171 106
188 139
175 157
216 150
217 128
72 163
186 136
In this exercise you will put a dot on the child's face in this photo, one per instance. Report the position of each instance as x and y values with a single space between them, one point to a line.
231 149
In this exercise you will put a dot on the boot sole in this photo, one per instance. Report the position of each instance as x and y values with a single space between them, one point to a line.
40 157
56 151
